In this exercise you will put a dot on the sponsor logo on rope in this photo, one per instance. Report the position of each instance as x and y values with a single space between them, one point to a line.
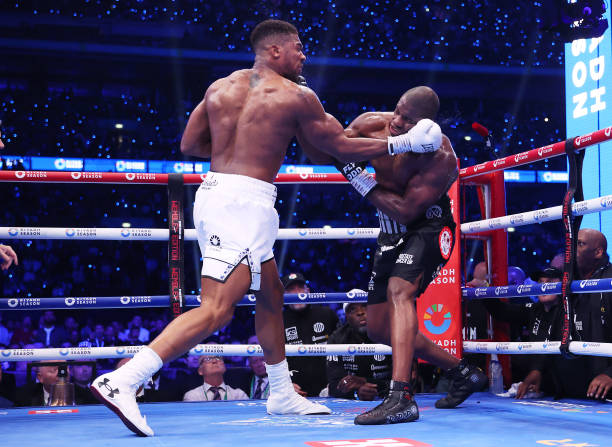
480 166
520 157
64 351
70 232
588 283
480 291
482 347
581 140
130 176
304 175
302 232
608 131
350 294
120 350
580 207
20 174
350 231
606 201
251 349
494 222
302 296
69 301
198 349
125 232
501 290
591 345
541 215
523 288
13 302
125 300
302 350
474 226
13 232
499 162
545 150
545 287
352 349
250 297
6 352
500 347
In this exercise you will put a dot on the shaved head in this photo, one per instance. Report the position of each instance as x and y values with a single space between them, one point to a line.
591 251
423 99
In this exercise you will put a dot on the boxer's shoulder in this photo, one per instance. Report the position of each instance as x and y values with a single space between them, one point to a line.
370 122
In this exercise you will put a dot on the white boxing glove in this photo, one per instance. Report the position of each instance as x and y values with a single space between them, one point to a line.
425 136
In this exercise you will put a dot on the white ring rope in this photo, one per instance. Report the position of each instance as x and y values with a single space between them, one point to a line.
596 205
537 347
80 353
160 234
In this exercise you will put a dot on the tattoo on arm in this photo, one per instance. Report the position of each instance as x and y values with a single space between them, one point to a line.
254 80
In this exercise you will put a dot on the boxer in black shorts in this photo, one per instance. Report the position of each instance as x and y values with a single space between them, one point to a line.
416 240
415 253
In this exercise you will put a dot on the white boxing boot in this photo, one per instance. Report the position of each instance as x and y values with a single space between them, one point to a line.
283 399
117 389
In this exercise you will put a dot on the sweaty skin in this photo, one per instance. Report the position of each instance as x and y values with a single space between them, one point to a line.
244 125
246 121
408 185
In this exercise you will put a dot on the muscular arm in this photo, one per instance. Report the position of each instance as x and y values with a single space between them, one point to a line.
313 154
196 140
417 197
322 131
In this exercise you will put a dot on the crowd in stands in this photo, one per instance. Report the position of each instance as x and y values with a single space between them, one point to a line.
72 118
369 30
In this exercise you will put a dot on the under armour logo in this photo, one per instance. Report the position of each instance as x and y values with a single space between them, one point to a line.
111 391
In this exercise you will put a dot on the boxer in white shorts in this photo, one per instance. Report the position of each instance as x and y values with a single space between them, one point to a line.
244 125
236 223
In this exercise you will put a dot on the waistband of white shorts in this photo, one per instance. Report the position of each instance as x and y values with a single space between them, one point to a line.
248 186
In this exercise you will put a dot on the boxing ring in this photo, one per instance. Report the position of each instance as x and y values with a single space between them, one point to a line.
481 420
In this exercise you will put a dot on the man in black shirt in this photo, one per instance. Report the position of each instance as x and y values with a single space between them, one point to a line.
365 377
305 324
542 321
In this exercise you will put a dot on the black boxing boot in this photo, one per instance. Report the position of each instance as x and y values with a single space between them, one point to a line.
398 407
465 379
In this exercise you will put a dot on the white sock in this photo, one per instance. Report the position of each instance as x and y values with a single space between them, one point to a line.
279 377
142 366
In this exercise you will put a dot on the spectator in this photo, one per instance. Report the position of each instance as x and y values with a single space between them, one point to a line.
256 385
49 335
592 319
542 321
357 377
136 329
8 256
7 389
24 333
5 335
97 336
38 394
82 374
110 338
212 369
306 324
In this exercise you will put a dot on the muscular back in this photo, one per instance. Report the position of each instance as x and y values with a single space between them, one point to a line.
252 118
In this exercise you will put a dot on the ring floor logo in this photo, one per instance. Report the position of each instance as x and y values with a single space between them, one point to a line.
435 320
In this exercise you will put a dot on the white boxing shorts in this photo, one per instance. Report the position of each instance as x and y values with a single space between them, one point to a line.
235 222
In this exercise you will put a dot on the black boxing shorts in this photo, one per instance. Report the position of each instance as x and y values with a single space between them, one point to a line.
420 249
